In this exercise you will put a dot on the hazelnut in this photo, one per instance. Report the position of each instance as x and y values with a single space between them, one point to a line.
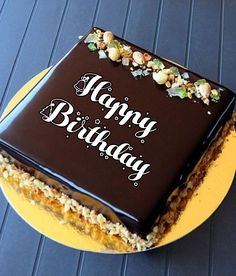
171 77
189 95
138 58
114 54
147 57
160 77
205 89
108 37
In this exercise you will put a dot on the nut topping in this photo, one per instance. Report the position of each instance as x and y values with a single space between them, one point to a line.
160 77
138 58
114 54
108 37
143 64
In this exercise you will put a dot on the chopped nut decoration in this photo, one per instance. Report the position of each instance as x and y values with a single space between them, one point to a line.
143 64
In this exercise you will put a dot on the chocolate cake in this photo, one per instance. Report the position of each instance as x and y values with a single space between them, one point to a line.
109 133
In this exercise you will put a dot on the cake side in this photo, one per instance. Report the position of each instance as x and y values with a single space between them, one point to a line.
101 183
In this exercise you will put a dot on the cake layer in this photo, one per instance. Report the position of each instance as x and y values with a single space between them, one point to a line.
117 144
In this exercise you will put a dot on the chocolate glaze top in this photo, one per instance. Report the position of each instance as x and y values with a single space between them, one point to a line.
184 129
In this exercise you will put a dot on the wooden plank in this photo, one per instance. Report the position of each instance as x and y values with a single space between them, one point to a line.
223 237
18 246
205 38
78 21
138 29
59 259
100 265
173 34
203 58
222 259
28 63
148 263
3 206
189 256
2 4
14 27
212 237
228 45
12 32
37 47
111 16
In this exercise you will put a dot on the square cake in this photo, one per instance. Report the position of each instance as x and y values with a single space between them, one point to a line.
118 137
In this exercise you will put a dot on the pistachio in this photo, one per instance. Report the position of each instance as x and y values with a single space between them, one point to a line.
205 90
171 77
214 92
138 58
114 54
215 95
108 37
160 77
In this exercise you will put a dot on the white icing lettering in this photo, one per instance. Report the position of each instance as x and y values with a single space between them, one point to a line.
57 111
62 114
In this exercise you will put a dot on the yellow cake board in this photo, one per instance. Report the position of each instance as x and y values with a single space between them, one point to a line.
204 202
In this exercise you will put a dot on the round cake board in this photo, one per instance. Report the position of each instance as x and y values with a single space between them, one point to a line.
204 202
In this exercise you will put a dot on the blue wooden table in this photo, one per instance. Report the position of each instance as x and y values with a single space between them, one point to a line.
200 34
